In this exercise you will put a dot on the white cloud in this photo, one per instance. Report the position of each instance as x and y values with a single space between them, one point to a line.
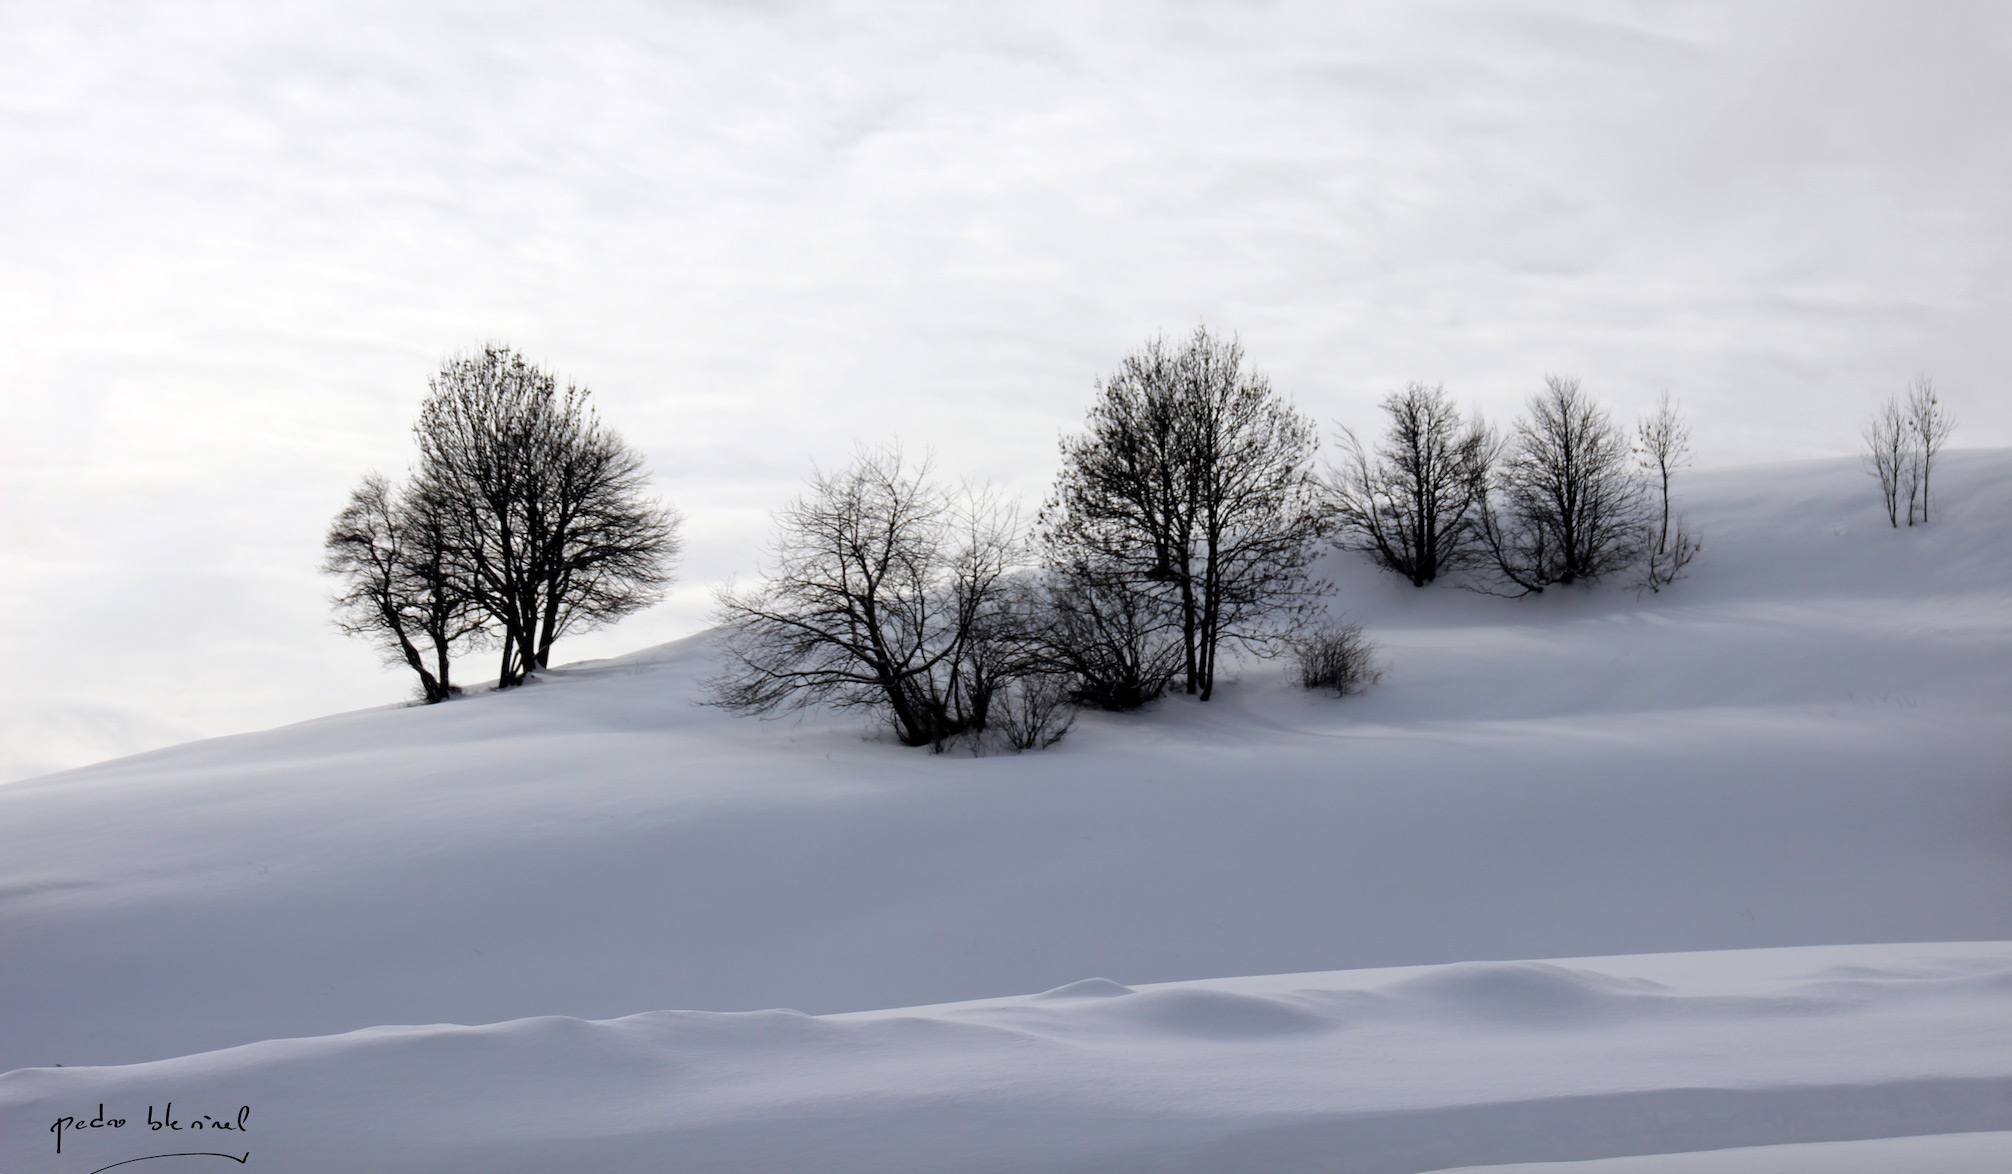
236 237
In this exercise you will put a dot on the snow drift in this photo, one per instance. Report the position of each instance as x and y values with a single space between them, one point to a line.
1369 1072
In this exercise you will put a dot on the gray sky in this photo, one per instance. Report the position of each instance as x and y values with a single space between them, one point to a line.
236 237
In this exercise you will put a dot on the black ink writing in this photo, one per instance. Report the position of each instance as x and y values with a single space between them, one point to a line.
98 1122
150 1157
166 1119
202 1121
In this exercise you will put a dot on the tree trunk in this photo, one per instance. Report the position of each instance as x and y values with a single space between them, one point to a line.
430 687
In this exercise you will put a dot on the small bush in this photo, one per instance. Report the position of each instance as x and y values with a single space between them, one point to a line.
1118 646
1337 659
1030 714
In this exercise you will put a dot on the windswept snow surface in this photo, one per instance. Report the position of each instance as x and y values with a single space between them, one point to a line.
1369 1072
1805 744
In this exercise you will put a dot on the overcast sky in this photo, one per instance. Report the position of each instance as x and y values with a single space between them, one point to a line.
237 236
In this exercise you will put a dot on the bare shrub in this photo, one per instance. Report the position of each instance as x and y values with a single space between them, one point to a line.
1117 647
1338 659
1029 713
1664 566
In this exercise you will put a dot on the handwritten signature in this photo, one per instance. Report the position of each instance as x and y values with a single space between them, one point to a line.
166 1120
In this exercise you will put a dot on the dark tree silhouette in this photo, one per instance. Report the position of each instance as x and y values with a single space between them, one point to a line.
1193 484
543 507
886 592
1570 509
1414 505
400 588
1662 447
1902 440
1114 646
1928 428
1889 456
1337 659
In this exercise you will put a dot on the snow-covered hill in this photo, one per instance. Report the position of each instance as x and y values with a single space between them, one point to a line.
1806 744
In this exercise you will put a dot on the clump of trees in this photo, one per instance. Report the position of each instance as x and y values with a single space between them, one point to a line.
1901 443
525 518
1565 497
1185 520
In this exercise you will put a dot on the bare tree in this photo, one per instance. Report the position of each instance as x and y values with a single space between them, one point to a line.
885 592
1194 483
1662 447
1928 428
1889 456
1116 646
544 506
400 587
1414 505
1570 509
1122 518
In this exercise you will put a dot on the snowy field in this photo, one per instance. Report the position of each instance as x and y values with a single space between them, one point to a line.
1716 809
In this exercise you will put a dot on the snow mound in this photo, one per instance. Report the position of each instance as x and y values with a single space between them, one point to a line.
1213 1014
1524 991
1280 1073
1088 988
1949 1153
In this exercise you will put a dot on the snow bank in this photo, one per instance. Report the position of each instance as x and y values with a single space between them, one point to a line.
1377 1072
1946 1153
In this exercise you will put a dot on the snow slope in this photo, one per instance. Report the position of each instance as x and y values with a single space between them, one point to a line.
1803 745
1363 1071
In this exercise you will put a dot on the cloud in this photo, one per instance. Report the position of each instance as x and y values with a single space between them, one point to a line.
237 237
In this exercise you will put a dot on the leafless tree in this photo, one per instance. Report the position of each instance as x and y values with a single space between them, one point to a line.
1889 456
1193 482
1566 507
1928 429
1414 505
884 591
1902 440
1662 447
1117 646
545 507
399 585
